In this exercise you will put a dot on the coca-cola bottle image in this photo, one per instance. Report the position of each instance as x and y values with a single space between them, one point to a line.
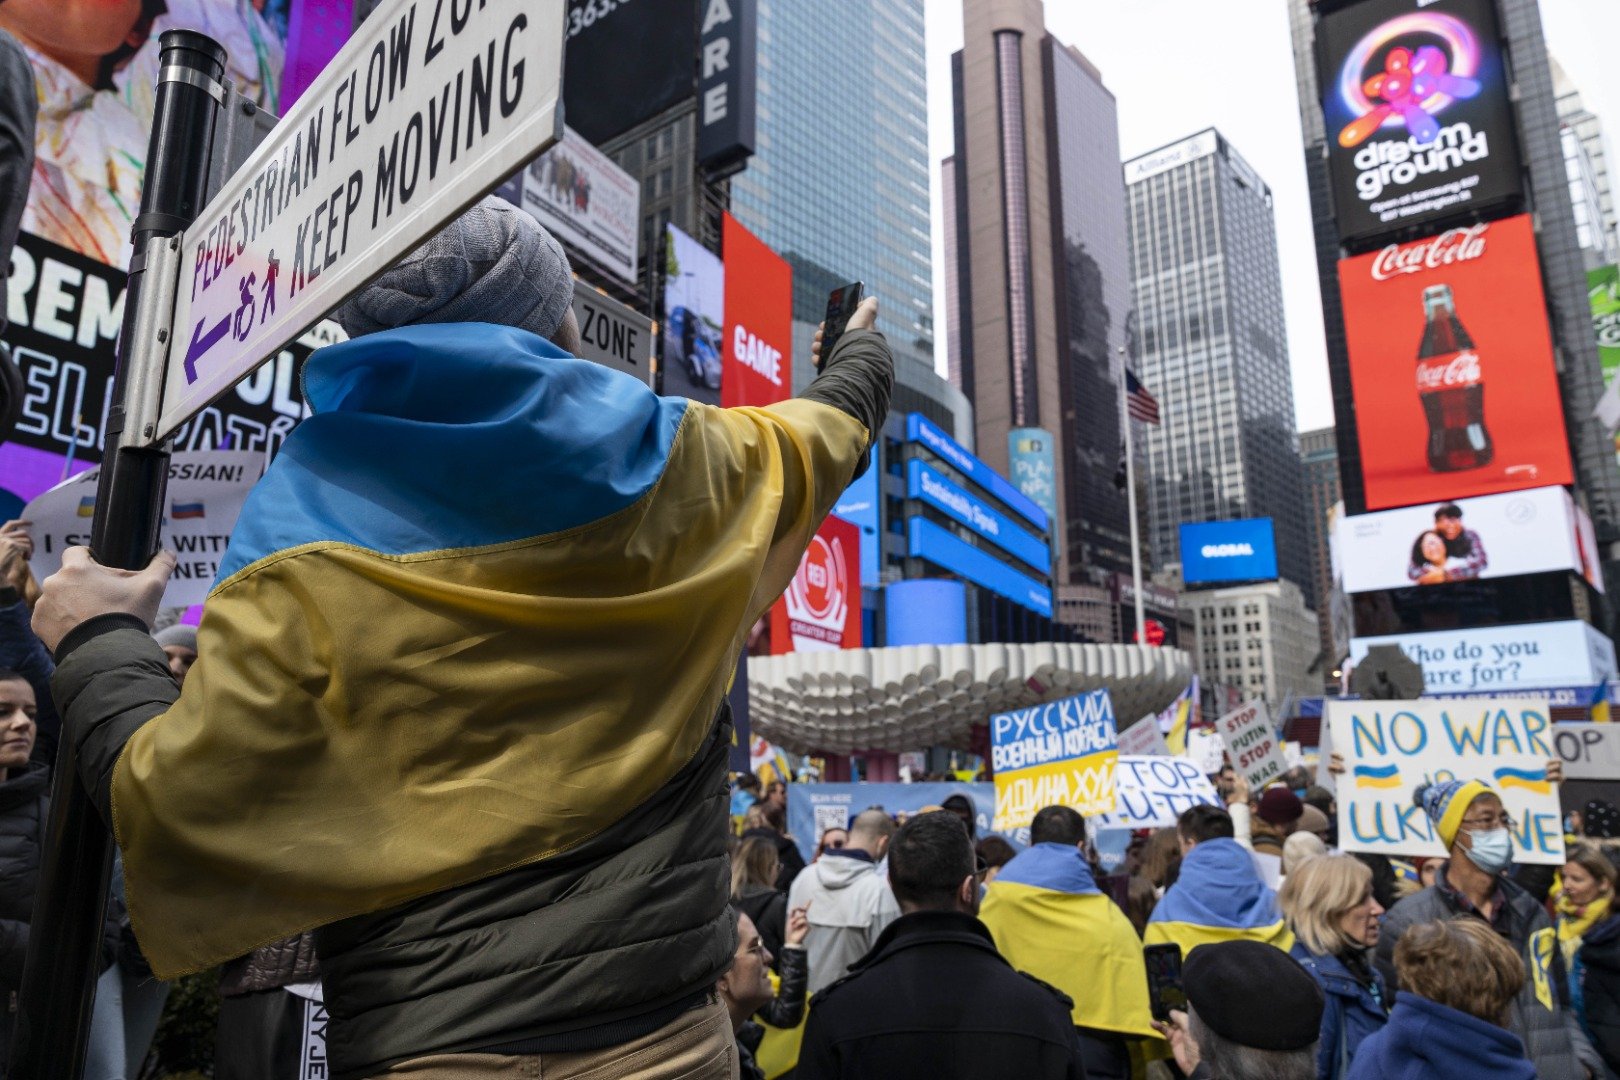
1451 387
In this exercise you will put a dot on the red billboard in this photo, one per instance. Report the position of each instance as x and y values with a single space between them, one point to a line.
1451 365
758 331
821 609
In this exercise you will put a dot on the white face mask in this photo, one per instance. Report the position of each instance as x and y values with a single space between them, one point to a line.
1491 851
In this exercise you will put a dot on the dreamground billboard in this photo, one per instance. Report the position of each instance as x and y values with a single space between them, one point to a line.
1213 551
1420 124
1494 536
1451 367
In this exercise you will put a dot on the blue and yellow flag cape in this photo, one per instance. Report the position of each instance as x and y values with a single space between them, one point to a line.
485 602
1218 896
1049 918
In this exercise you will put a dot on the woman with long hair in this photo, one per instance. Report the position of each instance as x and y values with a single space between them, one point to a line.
1330 907
754 892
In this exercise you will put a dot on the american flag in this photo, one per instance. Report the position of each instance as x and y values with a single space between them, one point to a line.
1143 406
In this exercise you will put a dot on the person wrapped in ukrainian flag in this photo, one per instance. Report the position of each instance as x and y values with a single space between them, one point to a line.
460 695
1050 919
1218 894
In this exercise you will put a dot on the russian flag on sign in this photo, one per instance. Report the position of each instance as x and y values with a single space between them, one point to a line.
181 511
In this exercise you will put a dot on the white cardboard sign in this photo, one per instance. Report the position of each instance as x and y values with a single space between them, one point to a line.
1589 751
431 104
1144 738
1152 792
1252 744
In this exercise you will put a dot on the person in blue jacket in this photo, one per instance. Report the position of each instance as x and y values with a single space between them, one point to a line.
1330 907
1459 979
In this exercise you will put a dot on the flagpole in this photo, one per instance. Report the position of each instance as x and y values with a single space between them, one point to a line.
1130 496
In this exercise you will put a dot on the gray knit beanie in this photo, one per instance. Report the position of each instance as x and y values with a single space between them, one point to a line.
181 634
493 264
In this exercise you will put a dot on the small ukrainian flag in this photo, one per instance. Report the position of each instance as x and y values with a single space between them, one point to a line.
1377 776
1529 779
87 506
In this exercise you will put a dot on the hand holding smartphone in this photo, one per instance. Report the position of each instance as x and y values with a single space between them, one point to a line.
1164 979
841 304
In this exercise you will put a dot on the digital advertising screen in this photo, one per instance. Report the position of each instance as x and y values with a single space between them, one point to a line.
1525 657
1603 291
1494 536
1451 367
627 63
1213 551
757 343
694 318
821 608
1420 125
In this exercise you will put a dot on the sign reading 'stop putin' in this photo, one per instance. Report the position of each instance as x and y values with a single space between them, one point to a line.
1419 121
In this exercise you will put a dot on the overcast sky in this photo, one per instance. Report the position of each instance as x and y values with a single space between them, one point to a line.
1179 66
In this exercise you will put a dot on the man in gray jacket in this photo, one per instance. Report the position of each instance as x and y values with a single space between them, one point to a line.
849 901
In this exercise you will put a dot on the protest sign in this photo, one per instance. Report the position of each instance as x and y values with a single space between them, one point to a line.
1059 754
1144 738
1589 751
1392 747
812 809
1206 748
206 492
1253 746
1152 792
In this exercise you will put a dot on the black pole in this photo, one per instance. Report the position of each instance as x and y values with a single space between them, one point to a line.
64 945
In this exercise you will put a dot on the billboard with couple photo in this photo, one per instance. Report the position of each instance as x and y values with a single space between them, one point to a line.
1493 536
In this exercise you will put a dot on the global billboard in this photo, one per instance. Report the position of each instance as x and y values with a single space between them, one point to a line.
1451 367
1214 551
1415 95
1493 536
821 608
1530 656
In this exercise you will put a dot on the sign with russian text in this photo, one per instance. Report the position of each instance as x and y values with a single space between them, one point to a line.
1252 744
1152 792
1059 754
427 107
204 498
1390 748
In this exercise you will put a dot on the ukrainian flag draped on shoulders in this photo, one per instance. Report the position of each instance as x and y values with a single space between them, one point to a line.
1049 919
1218 896
485 601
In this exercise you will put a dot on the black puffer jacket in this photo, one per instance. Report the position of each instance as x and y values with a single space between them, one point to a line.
1597 976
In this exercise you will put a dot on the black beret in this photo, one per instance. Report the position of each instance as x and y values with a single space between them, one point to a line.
1253 994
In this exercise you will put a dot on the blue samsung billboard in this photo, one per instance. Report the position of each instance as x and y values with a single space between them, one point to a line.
929 485
1228 551
919 429
938 546
858 505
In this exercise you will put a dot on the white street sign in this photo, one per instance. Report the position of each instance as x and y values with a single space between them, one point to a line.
612 334
430 105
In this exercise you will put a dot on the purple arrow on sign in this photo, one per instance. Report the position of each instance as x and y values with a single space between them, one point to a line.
201 343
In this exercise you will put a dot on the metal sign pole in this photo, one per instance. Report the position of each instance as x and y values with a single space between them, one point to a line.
64 946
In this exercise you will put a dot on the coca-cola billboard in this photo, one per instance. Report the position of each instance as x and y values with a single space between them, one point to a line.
1451 365
1419 121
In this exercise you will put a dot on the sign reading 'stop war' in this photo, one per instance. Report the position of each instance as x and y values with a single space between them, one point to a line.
1419 121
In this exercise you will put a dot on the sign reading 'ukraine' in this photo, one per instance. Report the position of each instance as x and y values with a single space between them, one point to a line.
1390 748
1060 754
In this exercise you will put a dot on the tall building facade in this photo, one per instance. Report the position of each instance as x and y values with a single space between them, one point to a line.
1212 346
1538 137
838 184
1258 638
1037 241
1586 163
1319 457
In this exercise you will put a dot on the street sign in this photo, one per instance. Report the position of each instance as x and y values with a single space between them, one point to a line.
612 334
430 105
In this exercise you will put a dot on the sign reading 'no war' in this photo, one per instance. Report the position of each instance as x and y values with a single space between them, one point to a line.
1061 754
1390 748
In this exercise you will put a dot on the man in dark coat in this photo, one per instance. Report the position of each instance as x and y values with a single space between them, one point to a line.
933 997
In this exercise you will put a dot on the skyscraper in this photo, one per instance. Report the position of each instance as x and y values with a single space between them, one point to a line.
838 184
1319 454
1038 246
1586 158
1212 346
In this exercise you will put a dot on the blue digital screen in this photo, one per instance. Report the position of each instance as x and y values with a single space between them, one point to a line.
927 611
1228 551
929 485
858 505
919 429
938 546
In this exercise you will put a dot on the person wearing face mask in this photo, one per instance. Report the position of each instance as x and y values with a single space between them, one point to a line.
1331 909
1470 821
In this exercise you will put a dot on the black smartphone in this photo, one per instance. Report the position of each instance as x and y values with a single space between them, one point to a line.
1164 979
841 304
